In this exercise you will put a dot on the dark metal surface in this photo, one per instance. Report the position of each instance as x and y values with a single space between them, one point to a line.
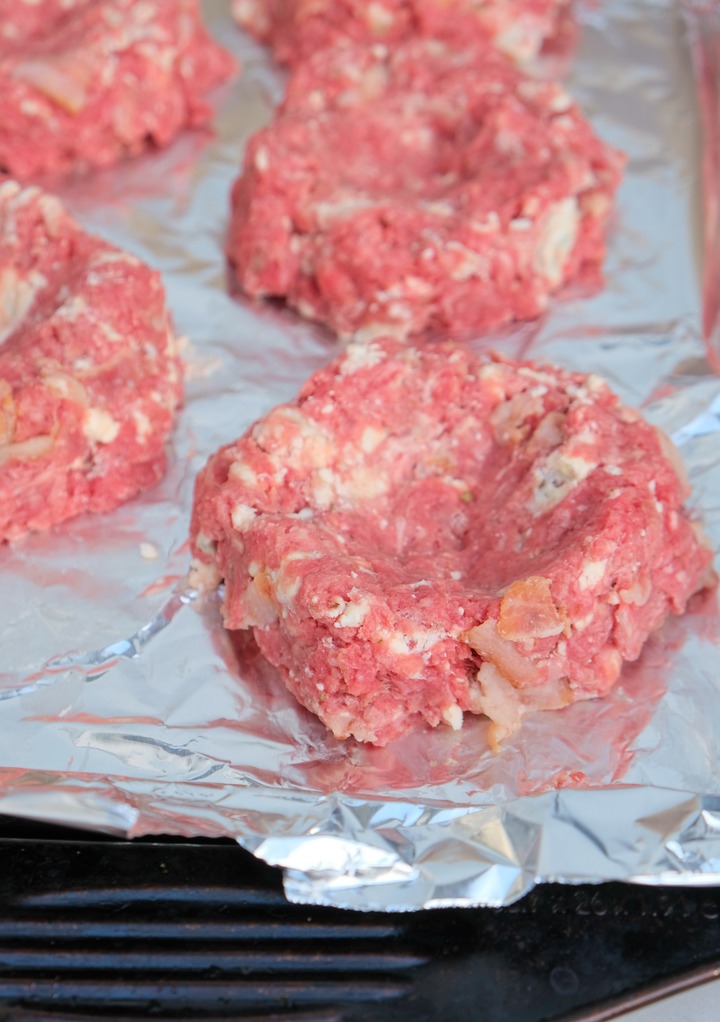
93 928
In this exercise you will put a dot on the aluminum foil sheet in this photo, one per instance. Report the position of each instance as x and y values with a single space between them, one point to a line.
125 707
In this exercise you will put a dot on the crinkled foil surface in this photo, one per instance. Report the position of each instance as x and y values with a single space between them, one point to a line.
125 708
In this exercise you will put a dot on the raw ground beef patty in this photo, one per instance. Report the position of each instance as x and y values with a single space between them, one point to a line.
296 29
88 82
424 533
89 374
425 189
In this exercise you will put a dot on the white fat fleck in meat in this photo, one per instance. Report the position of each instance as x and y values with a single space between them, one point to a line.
115 335
587 436
375 80
143 426
305 440
469 264
453 715
67 386
417 640
12 197
353 614
489 225
205 545
328 212
323 488
259 609
591 574
556 476
541 377
379 19
509 144
336 608
51 80
286 585
371 438
306 309
73 307
439 208
361 483
399 311
32 108
111 257
637 594
242 472
494 372
53 214
100 426
300 555
17 295
557 238
251 14
581 623
368 333
561 100
417 286
497 699
242 516
361 356
521 39
530 89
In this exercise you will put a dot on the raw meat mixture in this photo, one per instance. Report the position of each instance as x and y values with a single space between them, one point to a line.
89 82
89 374
297 29
427 189
23 19
424 533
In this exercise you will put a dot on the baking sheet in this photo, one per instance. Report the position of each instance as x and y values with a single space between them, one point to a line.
124 707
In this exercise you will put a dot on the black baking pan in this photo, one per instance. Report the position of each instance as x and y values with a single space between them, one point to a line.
97 928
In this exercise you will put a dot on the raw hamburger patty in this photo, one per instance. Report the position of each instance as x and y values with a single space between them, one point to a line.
89 374
90 82
424 189
297 29
424 533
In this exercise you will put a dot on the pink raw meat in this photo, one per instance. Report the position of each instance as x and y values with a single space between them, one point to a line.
297 29
89 82
90 379
427 189
424 533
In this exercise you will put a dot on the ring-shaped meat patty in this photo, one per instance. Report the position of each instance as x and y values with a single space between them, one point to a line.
425 532
297 29
89 82
89 373
424 189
